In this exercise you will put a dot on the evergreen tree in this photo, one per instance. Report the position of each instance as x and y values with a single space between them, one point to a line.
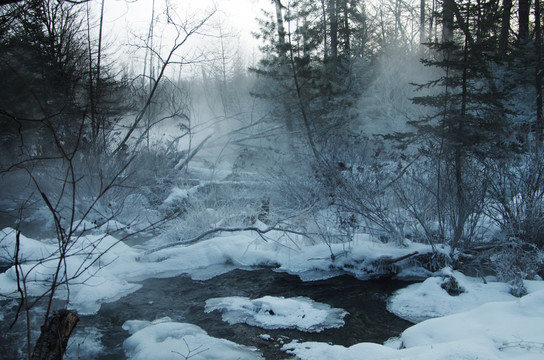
304 61
468 123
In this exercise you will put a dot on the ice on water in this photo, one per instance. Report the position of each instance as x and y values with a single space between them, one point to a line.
271 312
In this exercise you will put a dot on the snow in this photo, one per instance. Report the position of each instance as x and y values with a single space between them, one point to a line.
29 248
428 299
105 269
247 249
270 312
164 339
485 321
96 267
176 195
493 331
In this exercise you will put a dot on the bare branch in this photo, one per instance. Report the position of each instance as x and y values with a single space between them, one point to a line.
179 42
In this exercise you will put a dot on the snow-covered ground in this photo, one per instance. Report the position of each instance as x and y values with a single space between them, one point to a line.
495 330
428 300
111 268
483 322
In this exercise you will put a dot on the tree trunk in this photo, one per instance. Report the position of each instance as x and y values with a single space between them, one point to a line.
524 20
538 71
99 127
324 11
505 27
51 344
281 28
459 163
432 20
347 33
447 20
334 29
422 22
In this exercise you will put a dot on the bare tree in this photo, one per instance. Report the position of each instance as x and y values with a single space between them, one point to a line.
422 20
333 19
81 190
60 195
183 30
538 70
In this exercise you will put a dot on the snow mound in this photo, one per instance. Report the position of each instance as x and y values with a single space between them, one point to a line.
165 340
428 299
270 312
511 330
96 268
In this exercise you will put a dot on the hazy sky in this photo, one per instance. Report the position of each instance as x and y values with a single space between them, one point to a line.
125 18
241 12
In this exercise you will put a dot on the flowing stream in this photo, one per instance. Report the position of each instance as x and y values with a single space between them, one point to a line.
183 299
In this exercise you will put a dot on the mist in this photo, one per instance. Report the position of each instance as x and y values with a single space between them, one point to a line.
396 143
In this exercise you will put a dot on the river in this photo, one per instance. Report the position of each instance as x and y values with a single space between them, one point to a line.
183 299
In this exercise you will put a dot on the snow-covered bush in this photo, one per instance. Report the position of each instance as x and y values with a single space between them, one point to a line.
515 261
213 204
516 197
359 181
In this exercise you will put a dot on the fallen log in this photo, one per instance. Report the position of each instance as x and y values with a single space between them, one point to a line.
391 261
387 265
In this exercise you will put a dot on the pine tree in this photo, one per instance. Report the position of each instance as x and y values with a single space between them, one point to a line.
309 57
467 125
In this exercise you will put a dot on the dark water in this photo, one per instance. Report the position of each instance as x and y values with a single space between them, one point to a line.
183 300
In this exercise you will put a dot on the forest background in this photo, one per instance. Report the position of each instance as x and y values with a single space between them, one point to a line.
417 120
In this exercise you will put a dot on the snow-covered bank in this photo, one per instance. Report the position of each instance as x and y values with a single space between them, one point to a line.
164 339
483 321
495 330
94 267
102 269
310 262
422 301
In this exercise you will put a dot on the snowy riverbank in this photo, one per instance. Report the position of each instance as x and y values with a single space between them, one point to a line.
484 321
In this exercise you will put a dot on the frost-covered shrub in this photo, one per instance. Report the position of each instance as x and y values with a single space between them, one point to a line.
211 205
154 174
515 260
196 220
510 260
516 197
360 181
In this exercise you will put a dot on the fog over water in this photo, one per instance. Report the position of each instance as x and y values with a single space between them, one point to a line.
272 178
